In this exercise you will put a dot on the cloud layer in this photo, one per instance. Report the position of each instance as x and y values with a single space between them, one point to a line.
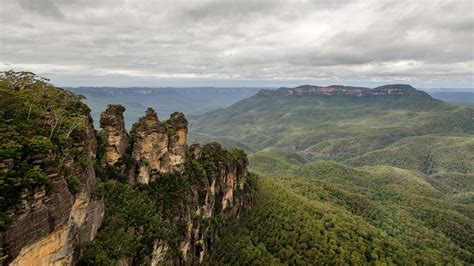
240 43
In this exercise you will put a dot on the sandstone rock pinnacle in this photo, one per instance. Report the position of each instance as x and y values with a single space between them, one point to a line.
114 135
159 147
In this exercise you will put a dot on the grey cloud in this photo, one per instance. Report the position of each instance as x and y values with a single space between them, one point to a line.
43 7
245 42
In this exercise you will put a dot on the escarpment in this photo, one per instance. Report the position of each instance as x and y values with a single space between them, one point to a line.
197 189
51 219
386 90
220 190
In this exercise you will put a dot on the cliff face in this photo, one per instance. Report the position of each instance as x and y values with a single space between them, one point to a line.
156 147
49 223
216 186
386 90
218 196
155 200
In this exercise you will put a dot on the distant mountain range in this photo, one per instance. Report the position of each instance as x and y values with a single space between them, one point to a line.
457 97
164 100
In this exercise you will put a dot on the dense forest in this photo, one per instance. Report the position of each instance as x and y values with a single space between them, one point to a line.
396 216
408 201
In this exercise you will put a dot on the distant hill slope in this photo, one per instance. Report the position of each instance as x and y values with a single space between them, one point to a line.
337 123
427 154
409 201
456 97
165 101
330 213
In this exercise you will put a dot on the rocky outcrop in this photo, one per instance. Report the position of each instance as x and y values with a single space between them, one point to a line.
113 135
53 223
159 147
386 90
49 223
217 186
51 210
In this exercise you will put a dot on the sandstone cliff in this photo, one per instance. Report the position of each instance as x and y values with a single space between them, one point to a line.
195 189
220 193
50 222
200 188
114 134
386 90
69 195
155 147
159 147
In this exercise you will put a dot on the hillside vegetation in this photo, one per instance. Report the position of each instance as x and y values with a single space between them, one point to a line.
333 127
332 213
40 125
343 179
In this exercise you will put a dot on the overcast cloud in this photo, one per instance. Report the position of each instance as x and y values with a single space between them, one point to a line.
427 43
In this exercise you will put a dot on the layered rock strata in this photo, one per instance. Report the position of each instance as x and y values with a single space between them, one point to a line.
157 147
113 133
49 224
386 90
220 195
219 189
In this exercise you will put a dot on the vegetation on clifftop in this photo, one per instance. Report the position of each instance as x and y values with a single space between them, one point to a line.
39 124
139 216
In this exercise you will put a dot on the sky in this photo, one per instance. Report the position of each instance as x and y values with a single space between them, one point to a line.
426 43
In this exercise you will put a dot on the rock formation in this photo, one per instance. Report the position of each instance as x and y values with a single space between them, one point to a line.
162 202
223 191
150 144
157 147
177 131
217 179
386 90
114 134
49 224
52 223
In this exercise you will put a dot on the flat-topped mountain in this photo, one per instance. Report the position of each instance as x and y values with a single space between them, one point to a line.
402 181
334 122
385 90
